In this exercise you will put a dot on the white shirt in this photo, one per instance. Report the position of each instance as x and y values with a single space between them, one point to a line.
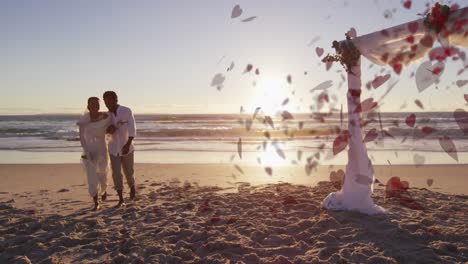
124 121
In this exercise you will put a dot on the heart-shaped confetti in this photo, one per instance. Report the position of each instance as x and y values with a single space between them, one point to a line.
407 4
428 74
461 83
461 117
319 51
427 41
340 143
449 147
366 105
236 11
249 19
218 81
371 135
429 182
379 80
411 120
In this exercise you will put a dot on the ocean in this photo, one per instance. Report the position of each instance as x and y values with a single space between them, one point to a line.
213 138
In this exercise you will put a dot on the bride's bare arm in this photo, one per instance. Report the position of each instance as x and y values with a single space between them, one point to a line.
82 140
81 125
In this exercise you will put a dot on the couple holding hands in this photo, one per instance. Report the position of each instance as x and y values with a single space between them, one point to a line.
106 137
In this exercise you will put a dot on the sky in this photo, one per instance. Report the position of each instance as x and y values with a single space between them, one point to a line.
161 56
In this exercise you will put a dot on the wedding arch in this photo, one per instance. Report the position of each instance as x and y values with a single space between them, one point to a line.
396 47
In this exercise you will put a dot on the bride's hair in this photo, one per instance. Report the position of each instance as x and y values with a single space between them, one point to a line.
92 98
89 101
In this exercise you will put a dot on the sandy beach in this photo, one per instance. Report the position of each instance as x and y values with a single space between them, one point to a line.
266 132
215 214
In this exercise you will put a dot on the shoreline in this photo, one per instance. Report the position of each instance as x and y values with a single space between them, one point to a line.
41 186
250 158
450 179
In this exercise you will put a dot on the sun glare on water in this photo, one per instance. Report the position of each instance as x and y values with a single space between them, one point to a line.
270 93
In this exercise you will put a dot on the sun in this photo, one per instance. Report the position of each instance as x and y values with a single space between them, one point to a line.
270 93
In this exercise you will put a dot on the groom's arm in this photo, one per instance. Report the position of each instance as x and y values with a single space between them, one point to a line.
131 132
129 141
131 126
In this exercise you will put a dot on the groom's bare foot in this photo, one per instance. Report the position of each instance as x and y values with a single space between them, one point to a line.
97 207
120 204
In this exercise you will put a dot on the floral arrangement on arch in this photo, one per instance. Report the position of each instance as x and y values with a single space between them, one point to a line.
436 19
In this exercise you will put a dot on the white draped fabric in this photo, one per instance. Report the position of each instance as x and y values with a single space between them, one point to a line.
357 188
393 41
96 164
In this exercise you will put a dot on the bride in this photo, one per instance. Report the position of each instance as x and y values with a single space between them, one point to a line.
92 127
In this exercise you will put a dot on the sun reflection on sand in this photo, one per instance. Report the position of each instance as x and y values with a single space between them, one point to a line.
270 157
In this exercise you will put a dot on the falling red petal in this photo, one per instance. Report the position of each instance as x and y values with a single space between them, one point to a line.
449 147
323 97
397 68
407 4
427 41
366 105
461 83
269 121
239 148
429 182
286 115
319 51
437 70
411 120
427 130
340 143
371 135
419 104
461 117
379 80
410 39
248 68
328 65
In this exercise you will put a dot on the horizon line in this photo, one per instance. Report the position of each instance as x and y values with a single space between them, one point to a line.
229 113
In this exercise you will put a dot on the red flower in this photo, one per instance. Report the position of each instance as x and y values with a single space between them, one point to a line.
438 17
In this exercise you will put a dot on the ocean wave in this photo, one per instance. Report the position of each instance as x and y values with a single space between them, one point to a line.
233 132
418 133
62 129
21 132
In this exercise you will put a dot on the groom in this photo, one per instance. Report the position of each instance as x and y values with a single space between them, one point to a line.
121 149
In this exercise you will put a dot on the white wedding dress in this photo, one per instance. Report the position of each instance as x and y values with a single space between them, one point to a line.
96 163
